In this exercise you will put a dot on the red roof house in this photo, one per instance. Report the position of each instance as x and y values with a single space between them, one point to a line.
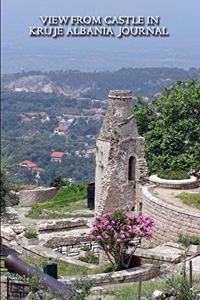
32 167
61 130
57 156
27 164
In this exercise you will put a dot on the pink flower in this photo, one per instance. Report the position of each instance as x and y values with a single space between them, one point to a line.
115 229
92 237
104 235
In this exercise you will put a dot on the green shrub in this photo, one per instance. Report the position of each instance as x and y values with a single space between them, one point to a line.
59 182
91 259
170 125
83 287
186 240
31 233
7 197
195 240
181 287
85 248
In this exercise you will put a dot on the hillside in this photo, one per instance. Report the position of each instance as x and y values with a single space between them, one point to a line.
36 105
144 81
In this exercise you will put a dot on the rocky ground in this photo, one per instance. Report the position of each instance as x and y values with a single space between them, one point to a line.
170 253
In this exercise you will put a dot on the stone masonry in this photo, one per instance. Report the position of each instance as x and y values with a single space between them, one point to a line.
120 164
170 221
29 197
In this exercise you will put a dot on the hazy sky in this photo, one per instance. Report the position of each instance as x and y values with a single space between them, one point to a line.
181 17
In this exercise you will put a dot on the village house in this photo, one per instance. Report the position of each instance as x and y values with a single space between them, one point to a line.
70 121
32 167
64 120
78 153
21 89
91 151
44 117
27 164
30 116
61 130
67 153
57 156
27 117
88 153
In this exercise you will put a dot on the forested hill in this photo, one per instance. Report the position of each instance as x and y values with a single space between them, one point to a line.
35 104
143 81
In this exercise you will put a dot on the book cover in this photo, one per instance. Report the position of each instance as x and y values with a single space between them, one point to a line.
100 123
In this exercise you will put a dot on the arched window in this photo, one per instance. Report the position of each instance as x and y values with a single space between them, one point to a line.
131 168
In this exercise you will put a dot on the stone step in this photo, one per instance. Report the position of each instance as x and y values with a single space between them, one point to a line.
161 253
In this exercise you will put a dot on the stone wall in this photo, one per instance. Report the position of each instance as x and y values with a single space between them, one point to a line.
58 241
145 272
55 225
29 197
170 220
61 213
190 183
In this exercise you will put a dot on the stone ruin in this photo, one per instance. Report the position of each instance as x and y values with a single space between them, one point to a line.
121 168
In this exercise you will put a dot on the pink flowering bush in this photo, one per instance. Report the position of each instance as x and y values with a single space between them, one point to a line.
117 232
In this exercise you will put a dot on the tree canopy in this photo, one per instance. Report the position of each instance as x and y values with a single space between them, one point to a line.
8 198
171 127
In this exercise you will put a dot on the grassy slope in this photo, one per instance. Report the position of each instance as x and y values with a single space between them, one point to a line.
67 199
65 268
191 199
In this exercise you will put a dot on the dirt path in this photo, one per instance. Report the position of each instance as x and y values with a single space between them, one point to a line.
170 196
22 212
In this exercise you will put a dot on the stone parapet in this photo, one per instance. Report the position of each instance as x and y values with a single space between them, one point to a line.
190 183
171 221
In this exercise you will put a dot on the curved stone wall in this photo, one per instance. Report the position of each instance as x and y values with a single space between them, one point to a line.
190 183
170 220
29 197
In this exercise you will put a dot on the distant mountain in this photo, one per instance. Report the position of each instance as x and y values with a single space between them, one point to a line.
143 81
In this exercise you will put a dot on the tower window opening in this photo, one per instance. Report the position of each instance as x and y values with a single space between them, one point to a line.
140 207
131 168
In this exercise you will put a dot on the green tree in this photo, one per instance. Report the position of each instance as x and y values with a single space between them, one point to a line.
6 186
171 127
59 182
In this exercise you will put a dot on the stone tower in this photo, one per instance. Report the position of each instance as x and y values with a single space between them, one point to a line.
120 163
